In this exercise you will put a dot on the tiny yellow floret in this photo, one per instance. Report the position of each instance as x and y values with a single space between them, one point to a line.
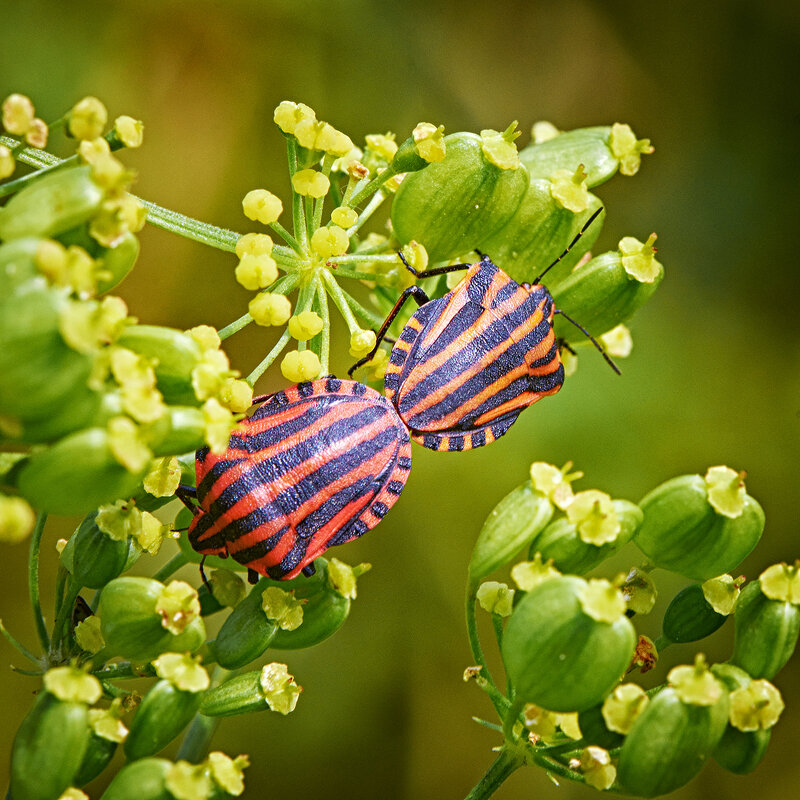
129 131
256 272
262 206
330 242
310 183
569 189
344 217
87 119
300 365
254 244
305 326
268 308
17 519
18 114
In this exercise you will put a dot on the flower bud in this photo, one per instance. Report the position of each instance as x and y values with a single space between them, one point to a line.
329 242
144 779
766 631
18 114
601 294
51 205
93 557
690 617
455 205
298 366
256 272
684 532
175 355
269 308
135 612
272 688
565 646
163 713
669 743
305 325
48 748
579 546
263 206
510 526
539 232
76 475
311 183
17 519
87 118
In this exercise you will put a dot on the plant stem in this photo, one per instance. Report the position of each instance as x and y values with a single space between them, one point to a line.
61 625
380 280
368 316
370 188
325 334
368 211
33 581
197 741
124 670
298 219
268 359
173 565
507 762
477 653
287 237
17 645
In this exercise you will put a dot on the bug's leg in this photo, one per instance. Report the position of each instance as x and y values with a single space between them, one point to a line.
252 576
591 339
309 570
188 495
563 344
412 291
203 576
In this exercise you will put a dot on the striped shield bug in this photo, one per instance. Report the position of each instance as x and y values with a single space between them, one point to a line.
316 465
468 363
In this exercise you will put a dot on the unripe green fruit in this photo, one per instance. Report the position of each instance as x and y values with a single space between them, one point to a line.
39 370
93 557
600 295
141 780
52 204
18 264
689 617
76 475
559 657
669 743
453 206
766 632
510 526
48 749
176 354
241 694
246 633
741 752
682 531
180 430
131 626
561 541
99 753
586 146
538 234
163 713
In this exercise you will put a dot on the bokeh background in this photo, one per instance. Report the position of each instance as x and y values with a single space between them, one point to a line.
713 377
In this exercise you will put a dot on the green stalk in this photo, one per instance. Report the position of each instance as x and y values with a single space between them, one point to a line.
507 762
380 280
325 334
339 300
33 581
368 316
283 285
368 211
173 565
287 237
359 258
479 658
370 188
17 645
61 625
298 219
197 741
319 203
269 358
122 670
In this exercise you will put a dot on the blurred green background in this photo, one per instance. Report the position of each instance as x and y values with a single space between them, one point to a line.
713 377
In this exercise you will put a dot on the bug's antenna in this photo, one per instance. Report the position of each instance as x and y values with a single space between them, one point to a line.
591 339
571 244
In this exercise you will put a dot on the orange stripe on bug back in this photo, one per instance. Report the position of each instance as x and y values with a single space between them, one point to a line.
456 302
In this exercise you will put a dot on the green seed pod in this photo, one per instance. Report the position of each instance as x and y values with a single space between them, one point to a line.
595 731
208 603
93 557
177 355
568 150
180 430
539 232
82 408
454 205
75 475
99 753
407 159
600 295
766 632
689 616
18 264
270 688
559 657
324 612
39 370
561 541
510 526
48 748
684 533
164 712
141 780
741 752
118 261
132 627
669 743
52 204
247 632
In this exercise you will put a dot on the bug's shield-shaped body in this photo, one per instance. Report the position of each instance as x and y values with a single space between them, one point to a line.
467 364
315 466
